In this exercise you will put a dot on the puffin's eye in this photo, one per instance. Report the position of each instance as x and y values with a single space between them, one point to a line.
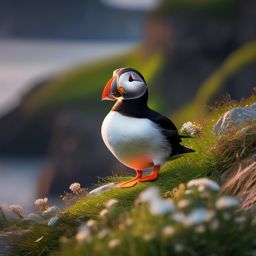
130 78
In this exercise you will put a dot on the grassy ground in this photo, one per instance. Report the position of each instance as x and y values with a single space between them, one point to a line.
200 164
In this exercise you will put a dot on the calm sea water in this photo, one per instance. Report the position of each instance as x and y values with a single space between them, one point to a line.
18 180
22 63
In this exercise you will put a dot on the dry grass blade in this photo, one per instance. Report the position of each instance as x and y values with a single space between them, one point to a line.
240 180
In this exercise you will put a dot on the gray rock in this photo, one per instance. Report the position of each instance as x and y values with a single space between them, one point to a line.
53 221
51 211
33 217
101 189
235 118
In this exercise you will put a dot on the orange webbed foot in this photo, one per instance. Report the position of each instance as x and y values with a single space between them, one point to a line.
152 176
130 183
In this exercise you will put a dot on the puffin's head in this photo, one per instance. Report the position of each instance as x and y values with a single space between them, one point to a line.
126 83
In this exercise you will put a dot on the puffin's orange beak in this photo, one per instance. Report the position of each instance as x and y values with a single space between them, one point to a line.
110 91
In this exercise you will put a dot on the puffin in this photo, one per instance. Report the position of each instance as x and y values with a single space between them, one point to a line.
139 137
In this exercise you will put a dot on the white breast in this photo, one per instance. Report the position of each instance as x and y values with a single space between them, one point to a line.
136 142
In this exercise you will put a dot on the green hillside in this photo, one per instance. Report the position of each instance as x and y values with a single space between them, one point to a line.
83 85
205 162
235 62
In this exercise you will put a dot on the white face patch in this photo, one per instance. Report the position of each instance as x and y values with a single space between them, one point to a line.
132 84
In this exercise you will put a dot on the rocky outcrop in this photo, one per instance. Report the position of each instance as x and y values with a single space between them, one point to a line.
235 118
99 190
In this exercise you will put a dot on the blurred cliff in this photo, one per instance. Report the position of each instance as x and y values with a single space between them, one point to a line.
183 44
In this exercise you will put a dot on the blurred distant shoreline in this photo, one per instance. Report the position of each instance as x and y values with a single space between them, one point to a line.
24 65
26 62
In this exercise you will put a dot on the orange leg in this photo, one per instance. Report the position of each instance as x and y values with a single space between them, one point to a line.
152 176
130 183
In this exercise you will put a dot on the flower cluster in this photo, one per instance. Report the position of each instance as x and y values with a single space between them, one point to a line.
85 230
193 210
45 213
42 204
190 128
157 204
17 210
76 188
76 193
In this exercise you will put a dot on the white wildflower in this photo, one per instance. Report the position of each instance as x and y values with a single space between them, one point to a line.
113 243
161 207
200 229
183 203
190 128
157 205
179 217
149 194
83 234
91 223
168 231
103 233
188 192
110 203
197 216
41 201
75 188
203 183
201 188
179 247
16 209
200 215
226 202
42 204
104 213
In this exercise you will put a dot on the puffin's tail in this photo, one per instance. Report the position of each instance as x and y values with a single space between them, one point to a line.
180 150
186 150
